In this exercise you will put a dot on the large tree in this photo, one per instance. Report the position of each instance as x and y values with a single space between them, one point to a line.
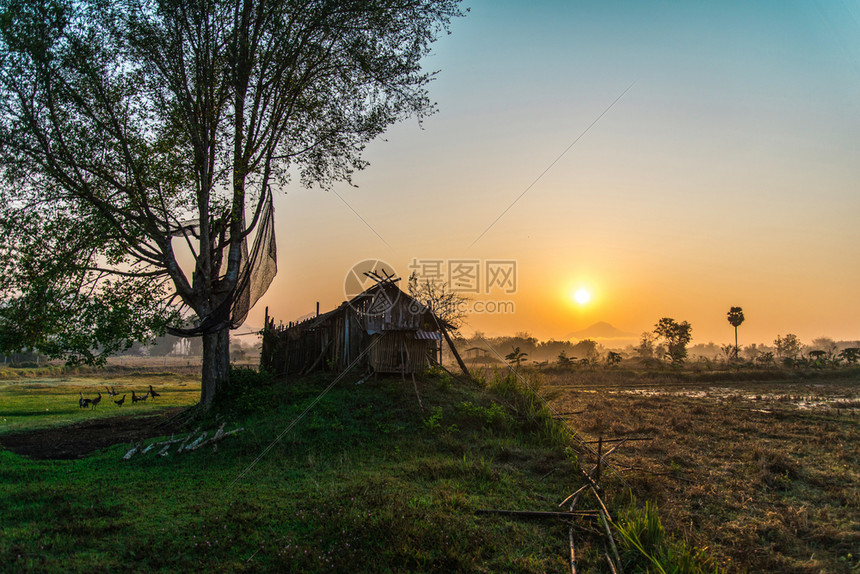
140 141
676 335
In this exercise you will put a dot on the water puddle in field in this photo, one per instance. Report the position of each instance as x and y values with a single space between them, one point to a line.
807 401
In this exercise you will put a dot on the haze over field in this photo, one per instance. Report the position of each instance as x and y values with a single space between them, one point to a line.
711 161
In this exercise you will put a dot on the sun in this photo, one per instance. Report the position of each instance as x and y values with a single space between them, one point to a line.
582 296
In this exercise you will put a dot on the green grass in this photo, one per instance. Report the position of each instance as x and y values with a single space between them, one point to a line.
49 397
363 482
366 482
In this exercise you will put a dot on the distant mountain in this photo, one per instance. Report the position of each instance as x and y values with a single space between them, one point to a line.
601 330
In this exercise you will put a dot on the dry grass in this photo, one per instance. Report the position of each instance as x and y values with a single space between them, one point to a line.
764 474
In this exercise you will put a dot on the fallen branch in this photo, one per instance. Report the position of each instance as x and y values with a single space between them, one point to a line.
563 502
134 449
185 445
600 502
620 439
539 514
187 439
605 519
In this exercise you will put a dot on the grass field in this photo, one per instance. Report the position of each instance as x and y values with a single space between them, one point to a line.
367 481
40 398
371 479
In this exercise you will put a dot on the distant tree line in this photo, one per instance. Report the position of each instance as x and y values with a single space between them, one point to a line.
667 343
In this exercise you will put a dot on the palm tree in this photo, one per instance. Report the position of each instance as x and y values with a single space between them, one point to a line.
735 317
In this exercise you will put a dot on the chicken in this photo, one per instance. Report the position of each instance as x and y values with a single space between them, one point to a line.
135 398
95 402
152 393
111 392
120 402
83 403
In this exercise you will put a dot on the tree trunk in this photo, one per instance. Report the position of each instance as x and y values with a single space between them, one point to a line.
736 343
216 364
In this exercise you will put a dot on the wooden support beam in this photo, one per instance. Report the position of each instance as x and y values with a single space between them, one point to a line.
455 353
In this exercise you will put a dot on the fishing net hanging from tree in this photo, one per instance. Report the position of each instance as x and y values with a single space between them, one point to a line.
257 268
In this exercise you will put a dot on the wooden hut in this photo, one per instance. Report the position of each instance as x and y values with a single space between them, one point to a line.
382 329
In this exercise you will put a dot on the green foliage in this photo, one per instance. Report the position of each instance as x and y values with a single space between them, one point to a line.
134 131
248 391
646 547
492 416
522 396
439 376
434 421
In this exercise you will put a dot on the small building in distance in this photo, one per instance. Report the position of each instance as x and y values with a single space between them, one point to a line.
382 329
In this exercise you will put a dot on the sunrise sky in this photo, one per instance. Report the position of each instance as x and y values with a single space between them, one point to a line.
728 172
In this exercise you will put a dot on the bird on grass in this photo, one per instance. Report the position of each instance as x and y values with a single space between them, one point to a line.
135 398
152 393
83 403
120 402
95 402
111 392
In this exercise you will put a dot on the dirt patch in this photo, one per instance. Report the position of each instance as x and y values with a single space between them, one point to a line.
80 439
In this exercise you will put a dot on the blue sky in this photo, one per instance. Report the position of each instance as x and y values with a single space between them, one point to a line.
726 175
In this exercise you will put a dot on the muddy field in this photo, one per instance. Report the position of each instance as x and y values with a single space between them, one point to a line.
763 473
80 439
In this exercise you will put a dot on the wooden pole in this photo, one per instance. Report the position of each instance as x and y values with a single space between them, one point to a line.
456 354
599 458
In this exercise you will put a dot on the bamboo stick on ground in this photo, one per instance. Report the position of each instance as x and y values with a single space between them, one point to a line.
603 518
611 565
539 514
620 439
572 552
600 502
563 502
